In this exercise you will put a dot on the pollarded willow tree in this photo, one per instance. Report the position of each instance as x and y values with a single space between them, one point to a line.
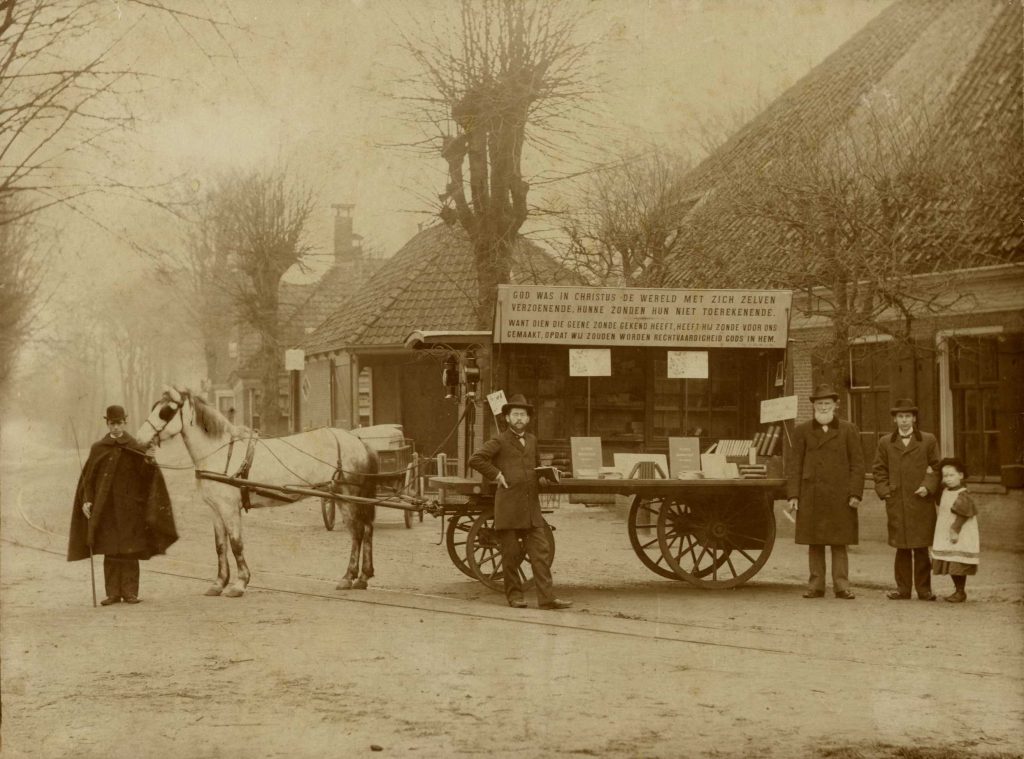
249 230
506 73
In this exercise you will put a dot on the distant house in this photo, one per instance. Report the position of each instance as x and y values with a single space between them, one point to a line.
960 62
238 388
358 369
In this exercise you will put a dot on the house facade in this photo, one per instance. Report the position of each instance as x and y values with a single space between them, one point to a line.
954 341
361 371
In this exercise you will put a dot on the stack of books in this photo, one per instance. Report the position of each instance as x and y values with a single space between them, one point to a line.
753 471
768 441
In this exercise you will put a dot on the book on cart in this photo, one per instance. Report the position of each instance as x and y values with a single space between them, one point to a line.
549 473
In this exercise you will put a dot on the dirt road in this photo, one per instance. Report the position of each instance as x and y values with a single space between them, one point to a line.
430 663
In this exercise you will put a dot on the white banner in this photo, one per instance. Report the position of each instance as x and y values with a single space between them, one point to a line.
552 315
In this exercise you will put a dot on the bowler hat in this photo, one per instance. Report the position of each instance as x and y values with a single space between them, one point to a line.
821 392
115 414
516 401
904 405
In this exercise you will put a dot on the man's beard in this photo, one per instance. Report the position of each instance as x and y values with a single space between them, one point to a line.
824 418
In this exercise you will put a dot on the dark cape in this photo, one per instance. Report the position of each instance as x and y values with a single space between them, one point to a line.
131 510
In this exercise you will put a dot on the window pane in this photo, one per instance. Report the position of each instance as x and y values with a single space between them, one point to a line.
973 454
992 454
972 411
988 360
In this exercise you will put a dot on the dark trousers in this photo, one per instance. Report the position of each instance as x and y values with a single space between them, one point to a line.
533 543
913 565
121 576
840 568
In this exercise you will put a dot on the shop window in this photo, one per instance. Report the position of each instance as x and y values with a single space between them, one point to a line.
365 396
708 408
974 383
539 373
870 392
617 403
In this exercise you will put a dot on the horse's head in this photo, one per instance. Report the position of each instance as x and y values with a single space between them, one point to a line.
167 418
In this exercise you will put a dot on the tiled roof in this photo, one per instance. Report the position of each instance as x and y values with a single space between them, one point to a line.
958 61
429 284
303 306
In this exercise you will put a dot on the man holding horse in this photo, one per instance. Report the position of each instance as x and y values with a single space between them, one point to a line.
121 510
511 459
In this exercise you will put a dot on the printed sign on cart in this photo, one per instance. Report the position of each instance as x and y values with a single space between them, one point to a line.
666 318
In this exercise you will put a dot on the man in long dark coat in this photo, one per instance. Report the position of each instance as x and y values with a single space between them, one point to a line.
825 484
121 510
511 459
906 470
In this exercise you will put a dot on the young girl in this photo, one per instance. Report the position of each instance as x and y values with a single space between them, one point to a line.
955 546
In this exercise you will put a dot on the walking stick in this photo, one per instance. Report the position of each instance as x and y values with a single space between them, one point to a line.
92 566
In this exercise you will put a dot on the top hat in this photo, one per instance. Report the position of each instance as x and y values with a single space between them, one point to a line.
905 405
115 414
516 401
821 392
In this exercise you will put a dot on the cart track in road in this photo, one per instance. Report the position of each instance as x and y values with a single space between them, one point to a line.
607 623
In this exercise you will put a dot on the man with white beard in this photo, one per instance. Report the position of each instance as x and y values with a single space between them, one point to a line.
825 484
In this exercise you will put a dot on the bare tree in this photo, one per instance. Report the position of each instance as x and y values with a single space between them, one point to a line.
509 66
252 229
853 222
21 263
626 221
68 90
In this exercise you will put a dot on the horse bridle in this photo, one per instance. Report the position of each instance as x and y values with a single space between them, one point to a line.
176 408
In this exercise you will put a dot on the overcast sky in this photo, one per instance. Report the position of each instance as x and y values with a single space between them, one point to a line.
310 88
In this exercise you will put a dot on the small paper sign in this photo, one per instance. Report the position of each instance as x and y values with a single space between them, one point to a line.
294 360
687 364
496 400
777 409
590 362
586 456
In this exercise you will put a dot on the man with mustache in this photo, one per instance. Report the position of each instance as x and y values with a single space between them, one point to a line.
510 459
825 484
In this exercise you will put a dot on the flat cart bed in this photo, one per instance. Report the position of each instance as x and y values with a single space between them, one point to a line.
710 533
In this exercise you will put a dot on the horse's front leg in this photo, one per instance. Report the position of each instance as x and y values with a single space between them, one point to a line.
234 530
220 536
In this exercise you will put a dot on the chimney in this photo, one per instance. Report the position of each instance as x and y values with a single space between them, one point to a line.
345 249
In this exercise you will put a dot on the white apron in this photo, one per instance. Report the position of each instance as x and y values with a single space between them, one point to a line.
968 547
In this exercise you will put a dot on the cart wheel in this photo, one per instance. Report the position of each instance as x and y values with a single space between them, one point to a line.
328 508
716 544
484 554
643 536
456 540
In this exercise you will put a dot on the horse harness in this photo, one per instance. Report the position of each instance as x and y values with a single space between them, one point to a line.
337 478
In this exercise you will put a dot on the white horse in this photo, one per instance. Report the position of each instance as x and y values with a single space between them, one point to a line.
322 458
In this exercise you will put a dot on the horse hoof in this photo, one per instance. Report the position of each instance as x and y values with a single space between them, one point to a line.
234 592
214 590
345 584
359 585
